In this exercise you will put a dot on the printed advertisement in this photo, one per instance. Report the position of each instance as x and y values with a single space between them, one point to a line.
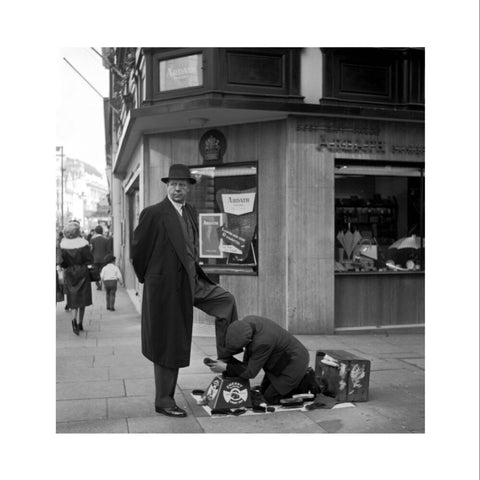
239 229
182 72
210 242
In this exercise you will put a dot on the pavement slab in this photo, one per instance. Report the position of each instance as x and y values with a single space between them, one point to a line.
94 426
139 406
74 410
131 371
115 341
292 422
79 351
119 360
72 373
402 377
164 424
417 362
74 362
80 390
140 386
80 341
106 385
352 420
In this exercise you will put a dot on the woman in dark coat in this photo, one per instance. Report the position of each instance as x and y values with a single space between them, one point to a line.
59 285
267 345
76 256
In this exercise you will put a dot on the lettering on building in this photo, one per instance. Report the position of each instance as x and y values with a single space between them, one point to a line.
348 145
348 139
176 72
332 128
409 149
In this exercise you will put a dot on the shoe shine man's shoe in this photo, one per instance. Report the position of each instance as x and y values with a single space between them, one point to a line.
174 411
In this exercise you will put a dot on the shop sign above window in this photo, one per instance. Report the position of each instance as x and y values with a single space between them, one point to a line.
181 72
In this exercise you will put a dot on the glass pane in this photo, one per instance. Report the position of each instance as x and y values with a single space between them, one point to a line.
379 220
182 72
225 197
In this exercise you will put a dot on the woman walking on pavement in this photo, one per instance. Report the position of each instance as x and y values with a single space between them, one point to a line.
76 256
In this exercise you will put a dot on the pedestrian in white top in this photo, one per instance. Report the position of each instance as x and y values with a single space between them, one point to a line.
109 275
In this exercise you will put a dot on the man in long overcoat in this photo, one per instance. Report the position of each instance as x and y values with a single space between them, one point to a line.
270 347
100 248
165 259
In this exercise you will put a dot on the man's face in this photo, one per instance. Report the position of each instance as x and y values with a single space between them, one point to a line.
177 190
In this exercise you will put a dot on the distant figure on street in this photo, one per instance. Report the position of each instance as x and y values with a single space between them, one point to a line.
110 275
90 235
110 241
75 258
100 248
267 345
60 295
165 259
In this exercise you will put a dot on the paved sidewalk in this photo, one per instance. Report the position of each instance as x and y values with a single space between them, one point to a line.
105 385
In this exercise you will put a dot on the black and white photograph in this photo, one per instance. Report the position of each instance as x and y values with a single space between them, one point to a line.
271 240
309 165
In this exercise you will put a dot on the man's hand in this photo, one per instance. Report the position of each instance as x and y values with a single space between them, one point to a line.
218 366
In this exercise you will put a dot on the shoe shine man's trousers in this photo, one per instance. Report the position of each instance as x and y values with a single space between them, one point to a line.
214 301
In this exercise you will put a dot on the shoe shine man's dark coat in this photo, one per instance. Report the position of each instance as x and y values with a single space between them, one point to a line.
269 346
159 257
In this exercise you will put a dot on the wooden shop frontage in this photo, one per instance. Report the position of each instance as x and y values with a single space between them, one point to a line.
312 219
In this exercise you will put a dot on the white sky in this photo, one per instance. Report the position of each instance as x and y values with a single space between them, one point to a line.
79 109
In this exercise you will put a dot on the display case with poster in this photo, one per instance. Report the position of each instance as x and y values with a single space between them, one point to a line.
226 198
210 242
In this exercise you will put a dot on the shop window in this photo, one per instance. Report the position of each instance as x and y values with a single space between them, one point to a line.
386 76
226 199
133 206
379 218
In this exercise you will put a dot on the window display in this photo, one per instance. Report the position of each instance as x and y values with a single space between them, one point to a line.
379 217
226 199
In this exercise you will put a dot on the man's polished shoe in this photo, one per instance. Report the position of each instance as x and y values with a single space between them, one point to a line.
175 411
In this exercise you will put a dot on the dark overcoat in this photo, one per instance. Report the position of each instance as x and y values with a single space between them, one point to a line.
269 346
75 258
100 248
159 257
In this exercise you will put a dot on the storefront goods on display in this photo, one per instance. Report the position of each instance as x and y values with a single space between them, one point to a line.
349 241
403 254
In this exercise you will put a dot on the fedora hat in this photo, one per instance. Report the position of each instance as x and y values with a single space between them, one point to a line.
178 171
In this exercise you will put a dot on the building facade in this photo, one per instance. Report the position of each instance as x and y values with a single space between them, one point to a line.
84 194
310 174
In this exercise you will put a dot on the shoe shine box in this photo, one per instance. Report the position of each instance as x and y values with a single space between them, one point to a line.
345 375
228 392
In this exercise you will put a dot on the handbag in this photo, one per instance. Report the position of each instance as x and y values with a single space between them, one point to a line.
367 248
60 276
93 273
